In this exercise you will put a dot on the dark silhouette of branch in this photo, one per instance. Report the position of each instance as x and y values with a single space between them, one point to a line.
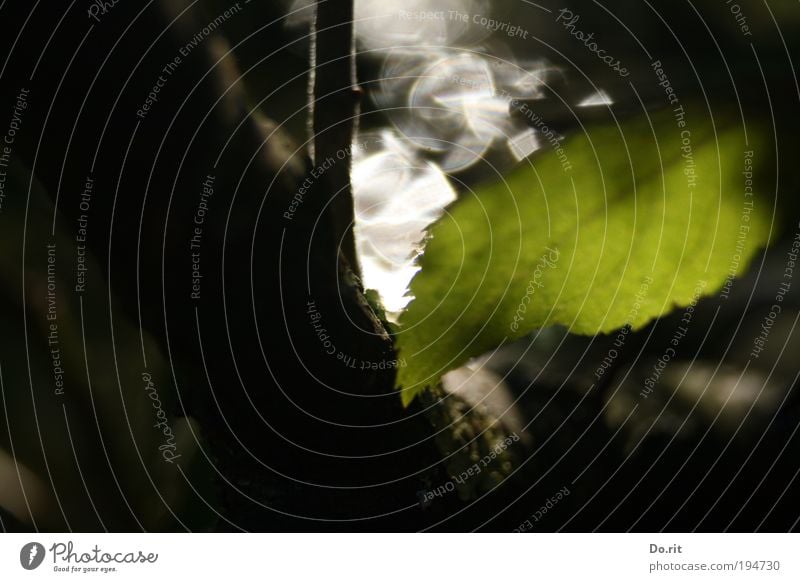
334 104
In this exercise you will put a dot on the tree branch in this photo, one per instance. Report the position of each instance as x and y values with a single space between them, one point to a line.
334 104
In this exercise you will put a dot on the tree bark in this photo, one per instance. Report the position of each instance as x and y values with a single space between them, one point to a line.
334 99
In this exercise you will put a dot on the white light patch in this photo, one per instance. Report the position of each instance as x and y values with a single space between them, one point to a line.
397 196
453 108
392 284
392 23
524 144
599 98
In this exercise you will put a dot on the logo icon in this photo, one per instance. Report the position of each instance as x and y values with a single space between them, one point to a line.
31 555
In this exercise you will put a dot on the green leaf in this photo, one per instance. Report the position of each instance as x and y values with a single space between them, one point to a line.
617 227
